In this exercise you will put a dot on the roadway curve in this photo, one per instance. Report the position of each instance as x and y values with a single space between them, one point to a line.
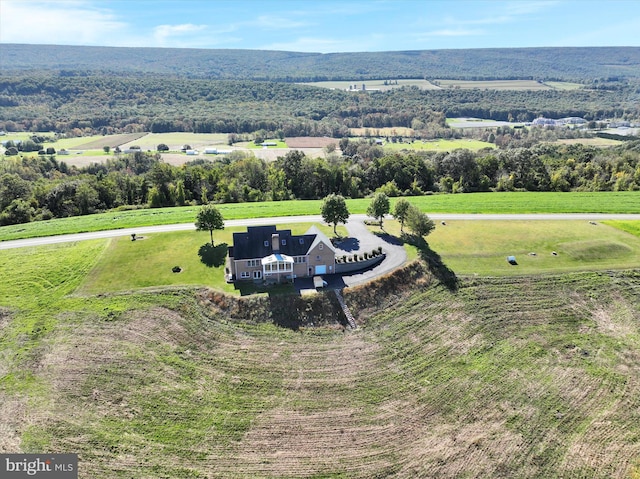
23 243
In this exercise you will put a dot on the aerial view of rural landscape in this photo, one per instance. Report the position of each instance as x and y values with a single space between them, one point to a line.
351 240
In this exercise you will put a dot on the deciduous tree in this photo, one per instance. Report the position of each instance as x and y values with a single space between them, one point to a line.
418 222
334 210
209 218
400 212
379 207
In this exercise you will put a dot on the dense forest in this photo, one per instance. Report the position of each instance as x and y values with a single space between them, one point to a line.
104 105
570 64
41 187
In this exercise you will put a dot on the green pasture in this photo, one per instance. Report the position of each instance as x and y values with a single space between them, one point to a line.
481 247
252 146
439 145
501 203
564 85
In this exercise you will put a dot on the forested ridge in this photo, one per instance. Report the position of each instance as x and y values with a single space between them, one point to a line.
103 104
561 63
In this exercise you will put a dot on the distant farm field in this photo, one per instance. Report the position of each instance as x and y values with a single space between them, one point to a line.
378 85
176 140
440 145
97 143
493 84
479 123
559 85
589 141
377 132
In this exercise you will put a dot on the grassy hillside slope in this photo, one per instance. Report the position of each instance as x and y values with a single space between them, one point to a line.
519 377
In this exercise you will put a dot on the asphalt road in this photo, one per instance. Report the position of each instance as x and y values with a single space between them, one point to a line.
23 243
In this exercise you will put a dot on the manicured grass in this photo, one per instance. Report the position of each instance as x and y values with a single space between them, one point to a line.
467 247
440 145
513 202
632 227
481 247
148 262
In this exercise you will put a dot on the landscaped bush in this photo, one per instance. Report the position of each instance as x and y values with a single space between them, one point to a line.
176 269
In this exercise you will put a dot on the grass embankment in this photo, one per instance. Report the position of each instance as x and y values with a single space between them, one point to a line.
530 377
513 202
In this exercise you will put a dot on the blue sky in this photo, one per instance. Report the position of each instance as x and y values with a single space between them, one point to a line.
322 25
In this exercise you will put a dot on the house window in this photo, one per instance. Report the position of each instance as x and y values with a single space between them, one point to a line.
321 246
245 274
257 274
318 258
252 263
299 259
266 243
284 242
301 240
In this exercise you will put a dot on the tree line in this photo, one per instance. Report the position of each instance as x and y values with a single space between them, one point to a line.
42 187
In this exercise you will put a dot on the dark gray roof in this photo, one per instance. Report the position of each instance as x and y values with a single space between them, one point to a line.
250 244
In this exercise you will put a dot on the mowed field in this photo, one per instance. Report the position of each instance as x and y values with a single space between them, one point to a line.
527 376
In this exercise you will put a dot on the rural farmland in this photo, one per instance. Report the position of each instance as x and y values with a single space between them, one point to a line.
341 240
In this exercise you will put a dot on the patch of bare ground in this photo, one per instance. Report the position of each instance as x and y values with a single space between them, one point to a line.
314 429
483 448
13 421
617 319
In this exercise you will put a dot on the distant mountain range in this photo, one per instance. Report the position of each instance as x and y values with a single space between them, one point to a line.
569 64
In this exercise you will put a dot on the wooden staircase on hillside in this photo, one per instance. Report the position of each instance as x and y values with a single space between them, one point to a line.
345 309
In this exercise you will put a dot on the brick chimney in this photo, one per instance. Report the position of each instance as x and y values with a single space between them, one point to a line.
275 242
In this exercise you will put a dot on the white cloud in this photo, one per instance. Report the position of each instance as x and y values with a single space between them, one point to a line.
164 34
307 44
449 32
61 22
